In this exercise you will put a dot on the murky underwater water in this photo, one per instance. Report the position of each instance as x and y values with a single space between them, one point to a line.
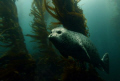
28 55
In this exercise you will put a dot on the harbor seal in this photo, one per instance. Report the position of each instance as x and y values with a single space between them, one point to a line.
77 45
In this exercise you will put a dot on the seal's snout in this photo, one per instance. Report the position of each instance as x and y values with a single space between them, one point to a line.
50 36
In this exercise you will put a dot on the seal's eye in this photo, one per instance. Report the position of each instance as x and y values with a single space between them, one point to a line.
59 32
51 31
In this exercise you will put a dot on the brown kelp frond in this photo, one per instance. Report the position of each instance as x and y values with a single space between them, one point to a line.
40 29
75 14
16 64
56 23
68 13
38 8
48 7
46 56
38 24
10 30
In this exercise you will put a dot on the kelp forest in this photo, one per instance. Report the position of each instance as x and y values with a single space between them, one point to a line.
16 64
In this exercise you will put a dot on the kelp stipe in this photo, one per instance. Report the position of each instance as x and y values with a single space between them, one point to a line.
46 58
15 64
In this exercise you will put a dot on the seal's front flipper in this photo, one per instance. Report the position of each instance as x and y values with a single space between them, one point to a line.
86 52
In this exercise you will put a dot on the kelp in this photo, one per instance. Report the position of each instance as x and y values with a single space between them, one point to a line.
17 67
40 29
68 14
74 72
10 30
15 64
46 58
38 25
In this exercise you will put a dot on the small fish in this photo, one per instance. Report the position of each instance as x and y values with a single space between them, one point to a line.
70 43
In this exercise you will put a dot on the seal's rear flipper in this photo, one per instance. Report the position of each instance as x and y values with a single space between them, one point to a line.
105 63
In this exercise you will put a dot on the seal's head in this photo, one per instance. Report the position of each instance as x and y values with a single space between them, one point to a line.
57 36
56 33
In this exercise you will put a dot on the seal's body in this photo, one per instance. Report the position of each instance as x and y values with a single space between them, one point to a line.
78 46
